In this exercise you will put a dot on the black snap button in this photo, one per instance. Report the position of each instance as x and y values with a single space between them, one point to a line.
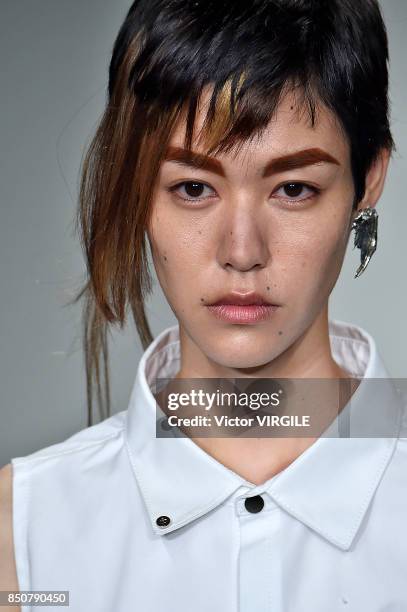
163 521
254 504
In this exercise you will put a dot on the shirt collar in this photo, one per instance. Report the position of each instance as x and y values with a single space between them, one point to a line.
328 487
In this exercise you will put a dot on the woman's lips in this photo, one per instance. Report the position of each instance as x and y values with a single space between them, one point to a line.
245 314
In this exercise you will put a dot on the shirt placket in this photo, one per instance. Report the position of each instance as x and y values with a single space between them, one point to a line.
259 557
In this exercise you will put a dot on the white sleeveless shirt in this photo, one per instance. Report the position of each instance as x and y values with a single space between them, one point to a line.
331 534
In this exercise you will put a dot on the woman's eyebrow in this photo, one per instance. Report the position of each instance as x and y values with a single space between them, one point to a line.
290 161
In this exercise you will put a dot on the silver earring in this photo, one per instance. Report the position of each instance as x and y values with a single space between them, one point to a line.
365 226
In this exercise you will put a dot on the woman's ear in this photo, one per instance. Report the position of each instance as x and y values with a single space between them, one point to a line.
375 179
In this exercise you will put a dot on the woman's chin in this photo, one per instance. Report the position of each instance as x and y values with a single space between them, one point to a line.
241 356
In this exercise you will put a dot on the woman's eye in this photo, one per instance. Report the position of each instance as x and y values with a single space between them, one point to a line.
292 191
195 191
192 190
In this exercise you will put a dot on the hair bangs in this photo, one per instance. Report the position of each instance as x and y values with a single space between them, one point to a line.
237 112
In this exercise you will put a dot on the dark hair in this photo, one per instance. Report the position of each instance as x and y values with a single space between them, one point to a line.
251 53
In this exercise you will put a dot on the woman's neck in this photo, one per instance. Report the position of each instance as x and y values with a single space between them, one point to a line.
257 459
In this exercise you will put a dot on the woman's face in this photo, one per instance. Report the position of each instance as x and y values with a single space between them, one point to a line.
233 227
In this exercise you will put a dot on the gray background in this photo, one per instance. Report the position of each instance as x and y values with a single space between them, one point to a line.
54 57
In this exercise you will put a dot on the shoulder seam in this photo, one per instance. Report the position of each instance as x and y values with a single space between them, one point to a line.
347 338
79 448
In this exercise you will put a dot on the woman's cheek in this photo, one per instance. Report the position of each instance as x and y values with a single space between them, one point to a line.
305 268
